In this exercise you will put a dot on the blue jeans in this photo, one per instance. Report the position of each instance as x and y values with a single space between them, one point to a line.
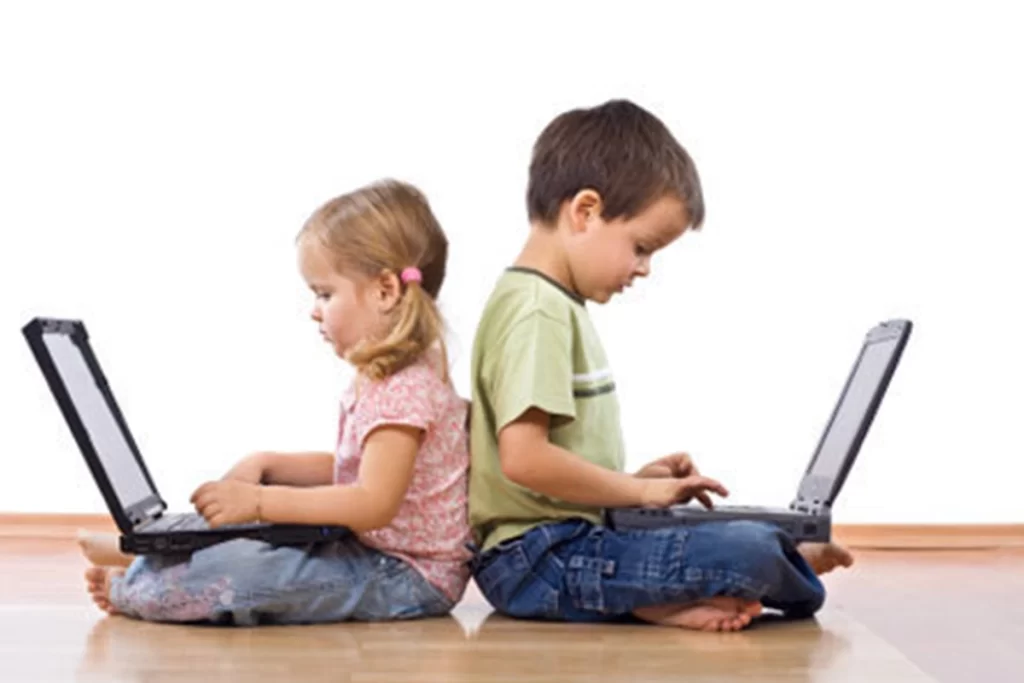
577 571
246 583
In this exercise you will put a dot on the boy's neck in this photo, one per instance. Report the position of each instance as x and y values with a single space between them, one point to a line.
544 252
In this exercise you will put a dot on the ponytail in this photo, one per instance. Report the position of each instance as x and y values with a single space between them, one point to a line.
417 325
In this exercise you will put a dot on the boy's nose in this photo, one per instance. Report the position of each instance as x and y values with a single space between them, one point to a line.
643 267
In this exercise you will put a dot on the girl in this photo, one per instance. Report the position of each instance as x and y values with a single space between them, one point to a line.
375 260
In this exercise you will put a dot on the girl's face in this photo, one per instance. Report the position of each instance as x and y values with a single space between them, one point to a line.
346 308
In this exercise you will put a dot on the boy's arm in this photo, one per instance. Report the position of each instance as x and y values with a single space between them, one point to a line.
530 460
385 471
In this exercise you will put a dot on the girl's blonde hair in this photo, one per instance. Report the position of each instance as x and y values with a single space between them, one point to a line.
387 227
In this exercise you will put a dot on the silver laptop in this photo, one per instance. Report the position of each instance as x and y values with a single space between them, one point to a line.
809 515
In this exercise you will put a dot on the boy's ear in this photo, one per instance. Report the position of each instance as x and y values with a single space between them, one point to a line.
584 208
387 290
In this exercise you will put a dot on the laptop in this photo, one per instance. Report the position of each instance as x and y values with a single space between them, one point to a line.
65 356
808 517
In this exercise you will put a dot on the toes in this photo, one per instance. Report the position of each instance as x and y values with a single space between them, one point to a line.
752 609
94 578
713 625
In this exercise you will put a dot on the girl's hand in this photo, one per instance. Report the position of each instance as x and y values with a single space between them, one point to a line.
664 492
227 502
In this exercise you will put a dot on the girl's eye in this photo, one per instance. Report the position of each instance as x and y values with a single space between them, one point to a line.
641 250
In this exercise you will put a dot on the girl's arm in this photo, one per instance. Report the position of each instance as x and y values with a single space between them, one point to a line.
389 454
288 469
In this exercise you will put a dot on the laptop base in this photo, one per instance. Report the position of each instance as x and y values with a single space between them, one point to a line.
178 542
800 526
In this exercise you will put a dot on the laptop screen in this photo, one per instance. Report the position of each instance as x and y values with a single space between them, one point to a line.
108 440
853 411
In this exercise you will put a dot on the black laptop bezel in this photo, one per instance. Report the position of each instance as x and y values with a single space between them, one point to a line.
126 518
809 494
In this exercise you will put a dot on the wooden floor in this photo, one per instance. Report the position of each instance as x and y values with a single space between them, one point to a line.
897 616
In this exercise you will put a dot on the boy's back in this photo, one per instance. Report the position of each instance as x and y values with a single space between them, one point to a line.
536 347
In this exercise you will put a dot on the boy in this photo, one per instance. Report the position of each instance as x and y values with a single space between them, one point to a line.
609 187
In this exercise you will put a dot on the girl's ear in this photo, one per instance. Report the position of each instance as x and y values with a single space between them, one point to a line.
387 291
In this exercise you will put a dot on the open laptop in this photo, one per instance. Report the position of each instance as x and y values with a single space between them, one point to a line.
64 354
808 517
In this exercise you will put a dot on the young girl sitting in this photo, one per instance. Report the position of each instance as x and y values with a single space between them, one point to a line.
375 260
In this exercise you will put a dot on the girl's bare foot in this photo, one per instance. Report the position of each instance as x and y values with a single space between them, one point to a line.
102 549
824 557
713 614
97 581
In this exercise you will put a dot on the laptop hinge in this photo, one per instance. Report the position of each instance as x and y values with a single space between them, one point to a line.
149 514
818 507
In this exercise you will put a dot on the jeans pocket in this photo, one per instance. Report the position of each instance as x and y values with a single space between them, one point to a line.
585 579
513 586
499 570
588 567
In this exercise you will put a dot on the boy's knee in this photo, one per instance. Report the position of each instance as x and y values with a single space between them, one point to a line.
750 534
755 545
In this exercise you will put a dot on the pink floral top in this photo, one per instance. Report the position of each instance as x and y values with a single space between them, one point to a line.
431 529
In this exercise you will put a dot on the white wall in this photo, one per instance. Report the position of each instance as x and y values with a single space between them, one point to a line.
859 164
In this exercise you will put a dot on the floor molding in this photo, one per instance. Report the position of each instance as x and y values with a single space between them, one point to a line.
863 536
929 536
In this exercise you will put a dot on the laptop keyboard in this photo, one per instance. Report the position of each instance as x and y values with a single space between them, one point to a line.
188 521
180 522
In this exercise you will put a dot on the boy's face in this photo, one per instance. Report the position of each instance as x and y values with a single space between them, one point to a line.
606 256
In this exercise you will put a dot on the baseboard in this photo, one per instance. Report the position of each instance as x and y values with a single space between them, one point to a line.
862 536
56 525
929 536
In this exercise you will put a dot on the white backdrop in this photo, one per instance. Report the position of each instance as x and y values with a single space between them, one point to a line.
859 163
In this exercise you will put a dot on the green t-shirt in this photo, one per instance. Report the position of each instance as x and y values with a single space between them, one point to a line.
535 347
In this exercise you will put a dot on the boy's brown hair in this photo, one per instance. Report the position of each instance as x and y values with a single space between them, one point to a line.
621 151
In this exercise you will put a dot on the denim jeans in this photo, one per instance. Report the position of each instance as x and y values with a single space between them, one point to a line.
246 583
578 571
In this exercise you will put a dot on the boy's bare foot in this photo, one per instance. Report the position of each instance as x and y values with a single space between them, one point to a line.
97 581
102 549
713 614
824 557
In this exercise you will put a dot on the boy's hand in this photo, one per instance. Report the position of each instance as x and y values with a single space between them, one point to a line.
659 493
677 466
227 502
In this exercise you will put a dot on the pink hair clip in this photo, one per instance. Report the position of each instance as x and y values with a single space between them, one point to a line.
412 274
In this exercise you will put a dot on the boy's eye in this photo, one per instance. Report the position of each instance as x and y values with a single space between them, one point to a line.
642 250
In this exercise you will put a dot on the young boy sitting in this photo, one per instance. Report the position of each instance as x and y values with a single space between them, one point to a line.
609 187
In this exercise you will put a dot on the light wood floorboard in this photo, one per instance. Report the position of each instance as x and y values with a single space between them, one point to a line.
897 616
